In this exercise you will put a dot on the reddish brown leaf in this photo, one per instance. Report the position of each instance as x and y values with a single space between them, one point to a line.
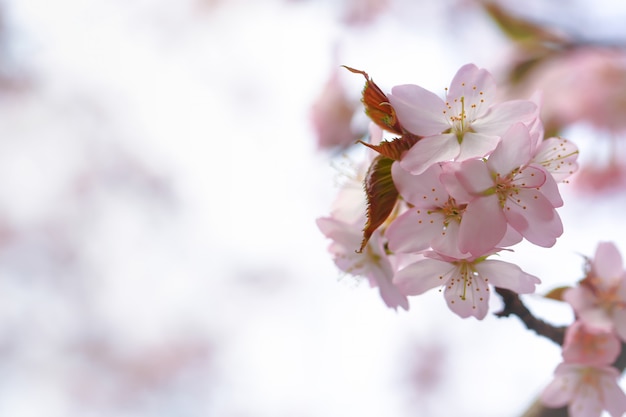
377 106
556 293
381 195
396 148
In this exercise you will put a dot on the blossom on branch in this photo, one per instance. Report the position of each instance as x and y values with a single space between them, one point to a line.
586 389
467 124
600 299
465 282
506 189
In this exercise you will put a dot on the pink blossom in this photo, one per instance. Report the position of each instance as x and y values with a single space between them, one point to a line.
506 190
332 113
587 390
587 345
465 282
432 220
600 299
585 83
466 125
373 263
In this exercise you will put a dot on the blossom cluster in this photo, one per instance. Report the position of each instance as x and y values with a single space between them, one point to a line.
464 178
586 381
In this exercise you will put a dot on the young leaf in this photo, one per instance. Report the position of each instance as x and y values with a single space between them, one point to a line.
381 195
394 149
377 106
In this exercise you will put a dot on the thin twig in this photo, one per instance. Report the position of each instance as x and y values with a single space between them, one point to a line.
514 306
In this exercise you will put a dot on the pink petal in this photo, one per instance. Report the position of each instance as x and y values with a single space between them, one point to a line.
422 276
530 177
429 151
412 231
476 145
467 300
558 156
531 213
512 237
561 390
501 116
423 190
614 398
475 177
339 231
476 86
550 190
447 242
506 275
607 262
391 295
580 298
586 403
454 187
420 111
482 227
619 322
512 152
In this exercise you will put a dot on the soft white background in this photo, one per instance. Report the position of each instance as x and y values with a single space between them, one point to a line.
159 184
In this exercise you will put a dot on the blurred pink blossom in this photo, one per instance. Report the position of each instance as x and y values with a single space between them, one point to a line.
587 345
600 299
588 390
332 113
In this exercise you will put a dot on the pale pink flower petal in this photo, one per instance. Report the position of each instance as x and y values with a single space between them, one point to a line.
614 400
413 230
558 156
430 150
508 276
607 262
471 92
584 304
423 190
513 151
420 111
483 226
559 392
550 190
447 244
476 145
473 176
532 214
373 263
619 323
423 275
468 299
502 115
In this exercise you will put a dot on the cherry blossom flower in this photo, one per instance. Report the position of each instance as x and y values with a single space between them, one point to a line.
586 389
506 190
465 282
466 125
590 346
373 263
432 220
600 299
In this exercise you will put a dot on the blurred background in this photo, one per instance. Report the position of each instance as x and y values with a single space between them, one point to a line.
162 164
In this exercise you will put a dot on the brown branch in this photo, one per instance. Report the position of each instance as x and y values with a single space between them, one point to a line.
514 306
